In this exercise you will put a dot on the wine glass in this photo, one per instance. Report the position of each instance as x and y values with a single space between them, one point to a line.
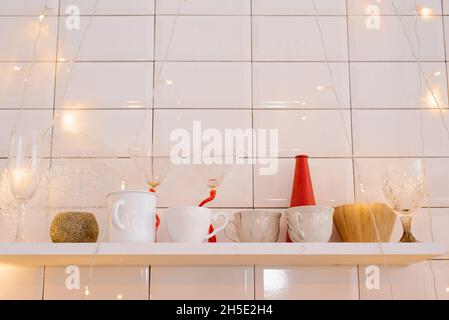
25 168
404 189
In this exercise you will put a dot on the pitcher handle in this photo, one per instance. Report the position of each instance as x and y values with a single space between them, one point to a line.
227 234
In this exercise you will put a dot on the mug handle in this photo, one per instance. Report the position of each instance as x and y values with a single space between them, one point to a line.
226 232
298 226
217 230
115 218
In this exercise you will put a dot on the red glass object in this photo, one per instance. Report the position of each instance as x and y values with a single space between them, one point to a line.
211 197
302 190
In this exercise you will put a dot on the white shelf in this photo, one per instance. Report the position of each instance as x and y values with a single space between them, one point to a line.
217 254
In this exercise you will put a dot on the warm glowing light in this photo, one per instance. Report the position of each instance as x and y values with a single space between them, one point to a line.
169 82
86 291
17 68
41 17
18 175
320 88
123 186
69 122
119 297
447 289
437 74
303 118
61 59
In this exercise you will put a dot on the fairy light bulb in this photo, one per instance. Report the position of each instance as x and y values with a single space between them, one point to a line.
17 68
42 17
86 291
424 11
69 122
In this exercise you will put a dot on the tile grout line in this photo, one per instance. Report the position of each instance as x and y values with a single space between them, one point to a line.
253 166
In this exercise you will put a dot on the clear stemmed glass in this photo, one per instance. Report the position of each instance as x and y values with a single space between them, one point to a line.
25 168
404 189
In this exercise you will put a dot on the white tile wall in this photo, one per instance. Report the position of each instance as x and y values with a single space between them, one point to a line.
298 39
202 283
296 85
236 64
307 283
103 283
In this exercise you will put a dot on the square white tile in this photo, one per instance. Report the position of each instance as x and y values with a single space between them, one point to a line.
300 85
204 7
331 178
298 39
203 38
203 85
307 283
317 133
25 31
398 85
371 172
28 123
111 80
21 283
28 8
293 7
389 42
98 133
108 7
395 282
202 283
103 283
113 38
13 79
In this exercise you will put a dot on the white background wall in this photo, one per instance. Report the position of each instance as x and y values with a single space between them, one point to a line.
238 64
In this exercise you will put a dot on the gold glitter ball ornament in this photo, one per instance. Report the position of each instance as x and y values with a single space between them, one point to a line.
74 227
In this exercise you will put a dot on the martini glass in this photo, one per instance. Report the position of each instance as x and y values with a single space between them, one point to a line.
153 161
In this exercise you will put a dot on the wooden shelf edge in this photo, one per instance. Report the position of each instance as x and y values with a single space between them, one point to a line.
217 254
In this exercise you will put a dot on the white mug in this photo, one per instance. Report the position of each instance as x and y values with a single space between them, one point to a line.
191 224
255 226
310 223
132 216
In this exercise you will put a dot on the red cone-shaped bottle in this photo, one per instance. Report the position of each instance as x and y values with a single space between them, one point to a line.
302 191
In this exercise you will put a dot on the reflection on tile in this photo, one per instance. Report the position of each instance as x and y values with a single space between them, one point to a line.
103 283
21 283
202 283
74 88
307 283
